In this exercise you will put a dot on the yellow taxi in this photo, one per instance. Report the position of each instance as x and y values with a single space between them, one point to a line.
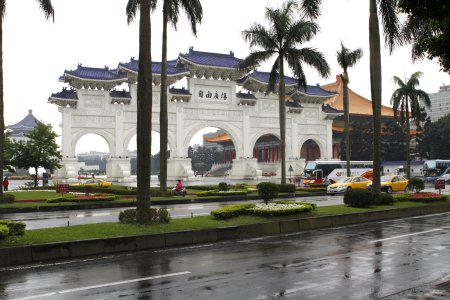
94 182
392 183
344 184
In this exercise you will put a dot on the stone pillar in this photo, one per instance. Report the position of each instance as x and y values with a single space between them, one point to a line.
118 169
328 151
179 168
69 170
245 168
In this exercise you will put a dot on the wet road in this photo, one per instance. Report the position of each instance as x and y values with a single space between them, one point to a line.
36 220
379 260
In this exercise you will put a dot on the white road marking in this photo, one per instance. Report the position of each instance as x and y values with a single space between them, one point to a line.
102 285
404 235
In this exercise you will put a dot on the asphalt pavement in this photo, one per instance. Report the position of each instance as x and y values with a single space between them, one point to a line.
396 259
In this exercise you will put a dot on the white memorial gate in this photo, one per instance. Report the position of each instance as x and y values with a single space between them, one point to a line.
92 106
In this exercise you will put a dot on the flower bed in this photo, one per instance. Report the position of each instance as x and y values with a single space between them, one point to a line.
421 197
277 208
83 198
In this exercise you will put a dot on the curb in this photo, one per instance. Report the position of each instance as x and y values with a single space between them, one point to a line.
74 249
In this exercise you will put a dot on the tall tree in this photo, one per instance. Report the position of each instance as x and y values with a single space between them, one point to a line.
39 150
171 8
391 25
144 105
407 101
281 39
47 8
347 59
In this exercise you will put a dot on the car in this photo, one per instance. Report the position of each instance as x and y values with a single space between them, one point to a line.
392 183
344 184
94 182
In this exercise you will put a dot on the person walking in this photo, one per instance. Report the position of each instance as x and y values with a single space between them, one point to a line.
5 183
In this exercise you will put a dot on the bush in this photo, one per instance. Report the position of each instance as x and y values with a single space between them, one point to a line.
153 216
14 228
4 231
202 187
417 184
358 198
223 186
383 199
231 211
239 186
267 191
83 198
287 188
219 193
7 198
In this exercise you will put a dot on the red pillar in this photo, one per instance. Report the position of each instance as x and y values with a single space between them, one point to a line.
224 155
264 154
273 153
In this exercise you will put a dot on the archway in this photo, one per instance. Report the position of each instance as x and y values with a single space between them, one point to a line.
212 152
91 151
310 150
267 151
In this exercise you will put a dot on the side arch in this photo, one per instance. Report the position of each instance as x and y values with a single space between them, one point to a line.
132 132
319 141
232 131
109 138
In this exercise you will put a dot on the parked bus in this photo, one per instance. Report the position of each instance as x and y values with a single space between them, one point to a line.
316 172
432 169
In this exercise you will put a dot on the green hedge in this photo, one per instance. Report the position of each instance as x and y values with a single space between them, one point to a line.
153 215
358 197
203 187
220 193
231 211
422 198
83 198
286 188
7 198
14 228
4 231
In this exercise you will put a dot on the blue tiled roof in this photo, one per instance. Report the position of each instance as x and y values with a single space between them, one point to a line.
69 94
330 110
95 73
245 96
24 126
182 91
264 77
316 90
120 94
211 59
133 65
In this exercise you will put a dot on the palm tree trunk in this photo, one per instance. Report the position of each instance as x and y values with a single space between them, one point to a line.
144 114
36 176
282 108
2 120
346 122
163 119
376 90
408 138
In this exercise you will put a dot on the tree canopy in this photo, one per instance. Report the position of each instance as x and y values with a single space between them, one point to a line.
428 29
435 141
40 150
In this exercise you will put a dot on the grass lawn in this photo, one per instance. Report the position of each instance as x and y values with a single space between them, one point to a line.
32 195
106 230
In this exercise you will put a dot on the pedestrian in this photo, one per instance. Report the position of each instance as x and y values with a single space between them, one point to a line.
5 183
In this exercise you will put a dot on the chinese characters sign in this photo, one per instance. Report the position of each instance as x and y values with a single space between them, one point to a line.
213 94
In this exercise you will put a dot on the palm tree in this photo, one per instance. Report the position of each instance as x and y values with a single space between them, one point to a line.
144 105
47 8
347 59
405 97
194 11
391 25
281 39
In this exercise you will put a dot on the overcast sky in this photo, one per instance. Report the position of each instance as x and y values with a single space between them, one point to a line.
95 33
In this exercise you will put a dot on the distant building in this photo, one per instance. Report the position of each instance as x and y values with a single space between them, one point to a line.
19 130
440 103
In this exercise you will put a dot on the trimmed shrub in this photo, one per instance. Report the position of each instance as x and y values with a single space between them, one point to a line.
231 211
239 186
417 184
219 193
7 198
358 197
287 188
421 197
154 216
4 231
383 199
14 228
267 191
223 186
202 187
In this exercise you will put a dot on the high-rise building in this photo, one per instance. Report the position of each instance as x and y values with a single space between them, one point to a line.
440 103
